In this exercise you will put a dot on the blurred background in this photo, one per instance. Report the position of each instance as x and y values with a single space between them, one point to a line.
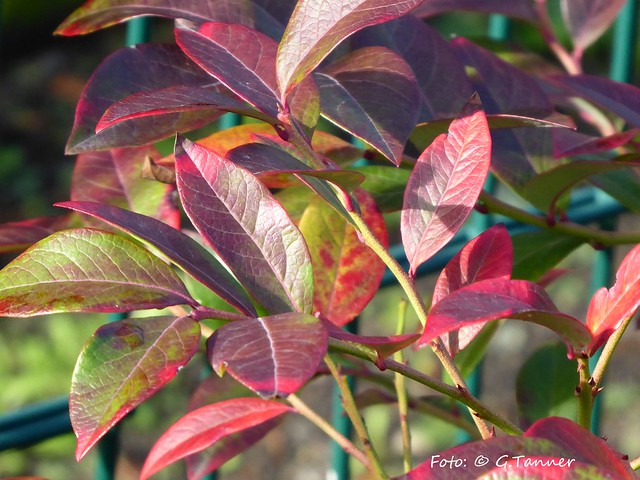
41 78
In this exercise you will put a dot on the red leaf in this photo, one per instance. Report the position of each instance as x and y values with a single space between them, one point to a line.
123 364
489 255
567 143
502 298
205 426
16 236
347 273
242 221
444 185
384 346
273 356
609 308
310 37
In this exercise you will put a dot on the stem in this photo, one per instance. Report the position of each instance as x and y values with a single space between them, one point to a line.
585 398
607 352
569 62
401 392
351 410
602 237
304 410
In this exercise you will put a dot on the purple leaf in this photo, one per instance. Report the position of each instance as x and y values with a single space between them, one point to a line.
16 236
123 364
489 255
310 36
442 81
567 143
180 248
444 185
116 180
205 426
523 9
273 356
132 70
351 91
87 270
588 19
94 15
619 98
246 227
499 298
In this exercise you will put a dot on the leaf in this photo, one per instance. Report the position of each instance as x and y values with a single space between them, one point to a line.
205 426
535 253
347 273
246 226
499 298
545 189
444 185
385 184
489 255
96 14
610 307
442 81
545 385
87 270
123 364
568 143
180 248
273 356
383 346
587 20
622 185
116 180
311 34
523 9
622 99
133 70
16 236
350 93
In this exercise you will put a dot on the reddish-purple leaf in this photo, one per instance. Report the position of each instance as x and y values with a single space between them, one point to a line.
610 307
523 9
177 246
97 14
489 255
383 346
351 91
133 70
499 298
87 270
347 273
312 34
568 143
442 81
619 98
123 364
247 227
444 185
205 426
588 19
16 236
116 179
273 356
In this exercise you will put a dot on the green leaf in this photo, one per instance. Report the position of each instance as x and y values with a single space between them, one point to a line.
386 185
535 253
87 270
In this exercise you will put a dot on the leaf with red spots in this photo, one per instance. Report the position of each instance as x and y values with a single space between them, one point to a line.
347 273
123 364
205 426
87 270
610 307
273 356
247 227
489 255
444 185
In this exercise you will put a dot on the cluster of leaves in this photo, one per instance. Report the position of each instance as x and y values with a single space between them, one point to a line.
291 241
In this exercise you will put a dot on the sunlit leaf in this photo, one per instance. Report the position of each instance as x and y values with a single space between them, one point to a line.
444 185
587 20
177 246
246 226
347 273
310 35
123 364
87 270
203 427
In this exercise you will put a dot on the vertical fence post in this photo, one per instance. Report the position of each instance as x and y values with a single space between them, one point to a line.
625 43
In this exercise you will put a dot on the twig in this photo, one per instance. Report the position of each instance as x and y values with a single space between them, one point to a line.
607 352
401 392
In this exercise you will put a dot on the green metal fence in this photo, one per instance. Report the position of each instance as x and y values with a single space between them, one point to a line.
37 423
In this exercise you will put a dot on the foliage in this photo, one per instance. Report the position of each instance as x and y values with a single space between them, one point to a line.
291 243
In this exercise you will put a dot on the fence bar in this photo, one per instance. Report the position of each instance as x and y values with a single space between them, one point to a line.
625 43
